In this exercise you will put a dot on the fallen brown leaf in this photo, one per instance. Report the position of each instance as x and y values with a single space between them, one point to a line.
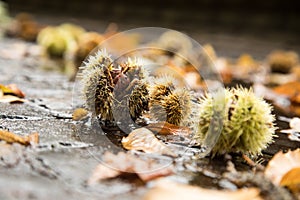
33 138
166 190
11 94
281 164
282 61
292 180
123 163
283 102
25 27
290 90
13 138
11 99
165 128
143 139
15 90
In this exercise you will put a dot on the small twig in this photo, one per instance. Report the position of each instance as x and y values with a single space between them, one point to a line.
250 162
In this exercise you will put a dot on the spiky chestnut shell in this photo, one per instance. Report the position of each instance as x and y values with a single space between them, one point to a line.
109 87
170 104
100 60
139 100
248 125
97 85
131 93
161 87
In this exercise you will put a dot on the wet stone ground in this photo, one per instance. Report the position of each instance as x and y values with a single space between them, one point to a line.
68 152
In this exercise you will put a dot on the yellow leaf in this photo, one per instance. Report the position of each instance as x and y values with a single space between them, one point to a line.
5 89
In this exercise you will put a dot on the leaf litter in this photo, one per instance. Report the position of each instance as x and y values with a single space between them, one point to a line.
143 139
284 170
11 94
113 166
10 137
245 67
166 190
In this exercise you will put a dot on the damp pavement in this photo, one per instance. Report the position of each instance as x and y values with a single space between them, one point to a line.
68 152
60 165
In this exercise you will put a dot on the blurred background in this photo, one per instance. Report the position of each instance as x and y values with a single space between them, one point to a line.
231 26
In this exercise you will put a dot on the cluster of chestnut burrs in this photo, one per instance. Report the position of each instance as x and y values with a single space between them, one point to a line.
123 91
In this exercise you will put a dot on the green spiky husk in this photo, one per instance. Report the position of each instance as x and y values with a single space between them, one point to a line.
248 125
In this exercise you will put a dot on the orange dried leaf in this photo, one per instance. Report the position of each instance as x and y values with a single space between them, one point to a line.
281 164
292 179
166 190
144 140
15 90
165 128
291 90
33 138
13 138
